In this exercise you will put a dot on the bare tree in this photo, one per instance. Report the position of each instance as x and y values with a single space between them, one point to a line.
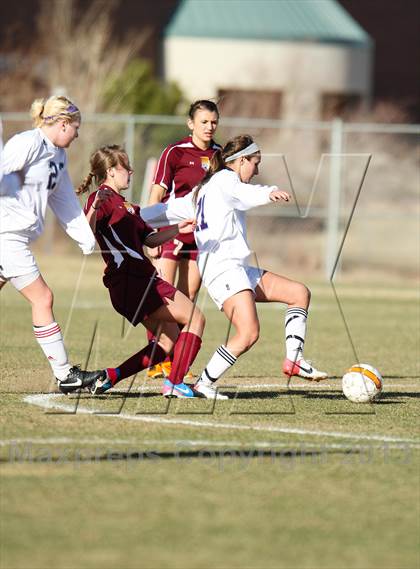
80 49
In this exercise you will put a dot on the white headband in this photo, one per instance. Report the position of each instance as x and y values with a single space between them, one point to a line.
251 149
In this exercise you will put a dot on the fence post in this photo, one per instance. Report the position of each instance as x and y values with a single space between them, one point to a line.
129 147
333 211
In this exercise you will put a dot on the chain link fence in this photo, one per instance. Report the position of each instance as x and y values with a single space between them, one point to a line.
323 164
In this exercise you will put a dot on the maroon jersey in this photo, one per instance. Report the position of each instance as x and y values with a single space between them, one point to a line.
180 168
120 232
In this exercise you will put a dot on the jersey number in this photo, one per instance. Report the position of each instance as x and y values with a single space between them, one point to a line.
52 179
201 222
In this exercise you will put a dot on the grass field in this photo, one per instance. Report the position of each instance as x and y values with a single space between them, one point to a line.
272 478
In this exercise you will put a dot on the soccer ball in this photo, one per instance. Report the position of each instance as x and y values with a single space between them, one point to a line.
362 383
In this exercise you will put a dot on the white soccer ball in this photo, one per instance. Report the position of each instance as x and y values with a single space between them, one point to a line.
362 383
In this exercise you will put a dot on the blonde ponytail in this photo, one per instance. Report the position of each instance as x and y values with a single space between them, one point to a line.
55 108
37 108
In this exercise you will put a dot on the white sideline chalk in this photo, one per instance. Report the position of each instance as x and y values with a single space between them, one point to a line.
49 402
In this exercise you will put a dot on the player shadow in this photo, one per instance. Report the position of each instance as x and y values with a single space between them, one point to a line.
402 377
121 395
254 394
400 394
387 398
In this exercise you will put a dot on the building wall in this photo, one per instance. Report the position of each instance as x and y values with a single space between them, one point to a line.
394 27
302 72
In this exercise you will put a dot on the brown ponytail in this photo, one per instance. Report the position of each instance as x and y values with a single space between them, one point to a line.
100 161
85 185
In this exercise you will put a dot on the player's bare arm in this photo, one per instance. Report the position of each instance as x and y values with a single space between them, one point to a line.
158 238
101 196
156 194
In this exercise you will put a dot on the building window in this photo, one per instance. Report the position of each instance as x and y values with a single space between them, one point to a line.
250 103
339 105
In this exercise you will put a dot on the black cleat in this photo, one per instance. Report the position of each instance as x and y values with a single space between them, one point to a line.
101 385
78 379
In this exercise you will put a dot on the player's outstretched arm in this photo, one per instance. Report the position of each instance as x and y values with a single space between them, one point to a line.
168 213
156 239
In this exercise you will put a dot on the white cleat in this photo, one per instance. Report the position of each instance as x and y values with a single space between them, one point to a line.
303 369
208 390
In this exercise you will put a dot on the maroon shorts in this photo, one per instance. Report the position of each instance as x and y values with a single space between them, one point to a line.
135 297
177 250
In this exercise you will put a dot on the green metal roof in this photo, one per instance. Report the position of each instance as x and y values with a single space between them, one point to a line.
282 20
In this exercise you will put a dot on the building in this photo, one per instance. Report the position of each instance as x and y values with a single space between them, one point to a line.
270 58
393 27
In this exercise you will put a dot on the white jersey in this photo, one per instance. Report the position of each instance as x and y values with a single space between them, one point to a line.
34 176
221 220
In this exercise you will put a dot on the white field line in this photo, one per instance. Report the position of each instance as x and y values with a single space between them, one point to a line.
182 444
47 402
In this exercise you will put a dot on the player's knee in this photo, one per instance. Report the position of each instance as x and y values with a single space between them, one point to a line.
302 295
166 344
307 293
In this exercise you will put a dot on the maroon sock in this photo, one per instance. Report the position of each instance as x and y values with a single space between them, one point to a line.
150 355
185 351
152 338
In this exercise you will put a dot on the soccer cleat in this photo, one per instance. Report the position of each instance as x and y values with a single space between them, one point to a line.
181 390
303 369
166 368
155 372
101 385
78 379
208 390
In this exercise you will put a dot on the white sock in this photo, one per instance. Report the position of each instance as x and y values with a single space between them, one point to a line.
295 332
51 341
220 362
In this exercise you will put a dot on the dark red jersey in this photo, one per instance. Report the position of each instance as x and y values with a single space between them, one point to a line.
120 232
182 166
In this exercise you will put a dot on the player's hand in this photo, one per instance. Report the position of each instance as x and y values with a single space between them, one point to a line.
102 196
155 252
279 195
187 226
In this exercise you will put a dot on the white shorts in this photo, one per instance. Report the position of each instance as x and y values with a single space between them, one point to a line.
233 281
17 264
